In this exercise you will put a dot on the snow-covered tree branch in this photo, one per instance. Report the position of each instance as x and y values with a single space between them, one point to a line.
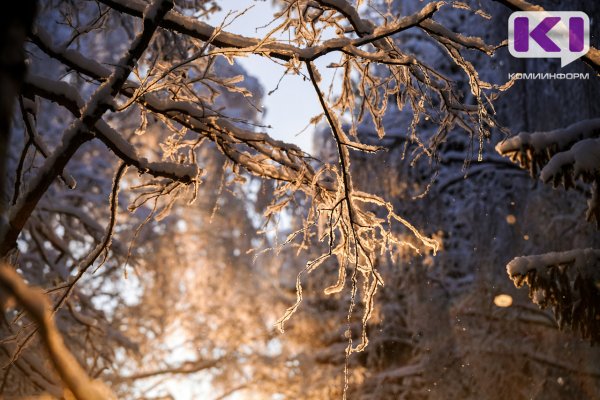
561 156
567 282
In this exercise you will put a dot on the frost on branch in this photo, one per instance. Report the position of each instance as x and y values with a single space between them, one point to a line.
355 236
379 75
561 156
569 282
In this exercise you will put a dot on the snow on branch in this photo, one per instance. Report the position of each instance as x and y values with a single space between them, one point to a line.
34 301
28 115
78 132
184 173
67 96
231 139
200 30
240 44
533 150
355 225
365 28
581 160
561 156
569 282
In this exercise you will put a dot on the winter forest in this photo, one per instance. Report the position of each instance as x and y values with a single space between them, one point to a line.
430 231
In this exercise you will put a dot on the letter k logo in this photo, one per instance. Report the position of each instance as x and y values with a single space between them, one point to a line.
549 34
539 34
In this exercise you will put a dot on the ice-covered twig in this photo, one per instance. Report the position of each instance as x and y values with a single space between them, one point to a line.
240 44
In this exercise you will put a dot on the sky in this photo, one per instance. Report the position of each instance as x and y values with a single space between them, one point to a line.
289 109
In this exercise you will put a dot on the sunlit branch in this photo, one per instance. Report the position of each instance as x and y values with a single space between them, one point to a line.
185 113
239 44
38 307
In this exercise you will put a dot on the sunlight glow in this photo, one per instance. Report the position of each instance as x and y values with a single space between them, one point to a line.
503 300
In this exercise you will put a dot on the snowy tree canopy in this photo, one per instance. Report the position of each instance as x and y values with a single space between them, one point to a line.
140 196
